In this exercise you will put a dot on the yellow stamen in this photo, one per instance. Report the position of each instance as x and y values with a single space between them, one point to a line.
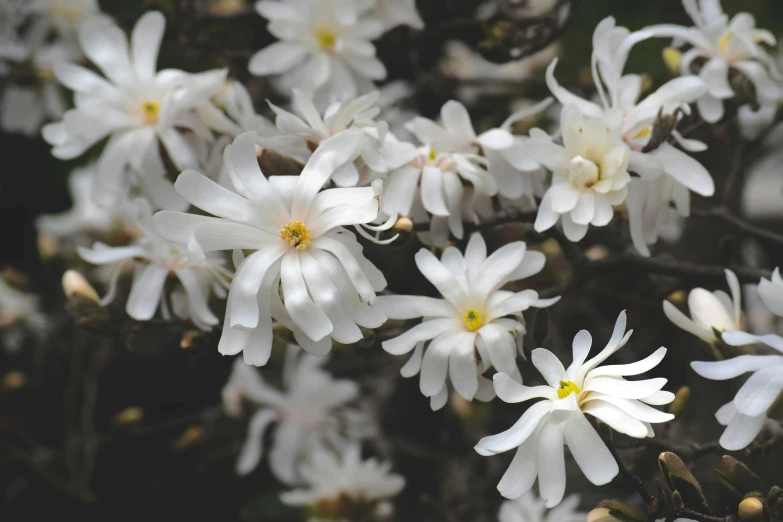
672 58
150 111
433 154
327 38
723 42
296 235
642 133
566 388
473 320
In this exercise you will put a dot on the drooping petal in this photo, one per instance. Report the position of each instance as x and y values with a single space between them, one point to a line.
589 451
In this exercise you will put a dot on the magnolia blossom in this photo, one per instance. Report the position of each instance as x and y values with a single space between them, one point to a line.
725 46
530 508
298 244
618 91
134 106
154 260
449 156
65 16
560 419
378 151
470 318
337 485
310 411
325 47
712 313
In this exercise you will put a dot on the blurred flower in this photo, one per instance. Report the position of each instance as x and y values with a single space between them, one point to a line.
725 45
530 508
325 47
310 413
155 259
135 108
471 318
19 313
712 313
65 15
298 242
560 419
339 485
771 292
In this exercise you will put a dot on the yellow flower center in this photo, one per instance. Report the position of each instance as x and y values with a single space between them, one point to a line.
433 154
150 111
473 320
296 235
327 38
566 388
723 42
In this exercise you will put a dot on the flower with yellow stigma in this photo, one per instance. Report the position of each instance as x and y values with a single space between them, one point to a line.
296 235
569 395
150 111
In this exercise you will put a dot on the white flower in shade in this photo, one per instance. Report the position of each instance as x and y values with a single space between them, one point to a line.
450 154
19 313
771 293
311 411
325 47
85 217
339 484
377 150
712 313
155 260
474 316
650 211
589 171
611 46
65 15
725 46
299 245
561 418
530 508
398 12
134 106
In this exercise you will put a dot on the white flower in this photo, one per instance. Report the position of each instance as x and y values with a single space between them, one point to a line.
771 293
650 213
299 244
611 46
712 313
530 508
589 172
450 154
471 318
66 15
135 105
19 312
560 419
725 45
325 47
310 412
398 12
154 260
378 151
335 485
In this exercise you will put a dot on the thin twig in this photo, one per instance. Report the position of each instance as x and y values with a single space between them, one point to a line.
740 224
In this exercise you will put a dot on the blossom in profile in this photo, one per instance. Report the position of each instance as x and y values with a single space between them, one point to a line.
569 395
531 508
310 411
712 313
154 260
325 48
298 242
133 105
725 47
474 316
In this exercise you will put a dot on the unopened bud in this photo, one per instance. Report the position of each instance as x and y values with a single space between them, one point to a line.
74 284
615 511
600 514
750 509
48 247
225 7
403 224
14 380
680 402
672 58
189 437
189 339
130 415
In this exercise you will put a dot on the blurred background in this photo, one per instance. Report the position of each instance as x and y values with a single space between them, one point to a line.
127 424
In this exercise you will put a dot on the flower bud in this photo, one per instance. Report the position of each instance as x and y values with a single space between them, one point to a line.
190 437
225 7
403 225
707 311
672 58
750 509
680 402
14 380
130 415
74 284
600 514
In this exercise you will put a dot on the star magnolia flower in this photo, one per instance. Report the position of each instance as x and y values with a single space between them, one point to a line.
611 46
377 149
325 47
472 317
338 485
134 105
589 172
560 419
530 508
650 213
712 313
725 45
450 155
310 412
298 243
155 259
